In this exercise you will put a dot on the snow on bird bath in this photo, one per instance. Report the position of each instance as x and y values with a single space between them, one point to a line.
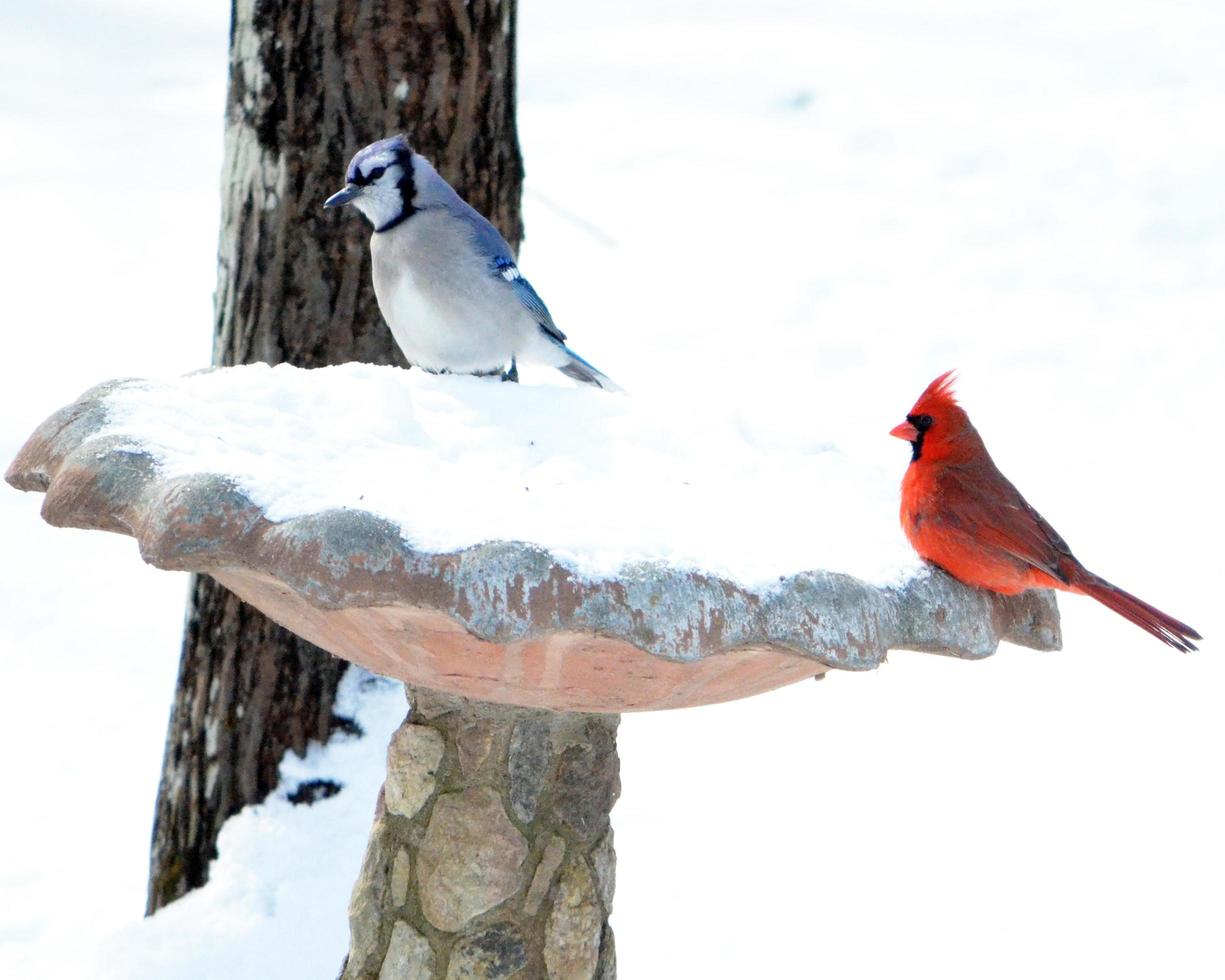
599 480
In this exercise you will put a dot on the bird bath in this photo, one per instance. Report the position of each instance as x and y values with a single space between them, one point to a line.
491 846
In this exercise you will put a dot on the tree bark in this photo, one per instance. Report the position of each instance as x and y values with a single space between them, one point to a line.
312 81
491 854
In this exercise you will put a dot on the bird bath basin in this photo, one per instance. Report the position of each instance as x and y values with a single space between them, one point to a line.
507 621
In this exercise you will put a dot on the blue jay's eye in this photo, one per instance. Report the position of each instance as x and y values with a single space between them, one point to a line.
376 173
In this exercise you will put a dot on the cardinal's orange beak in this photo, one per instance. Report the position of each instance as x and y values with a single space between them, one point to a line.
905 431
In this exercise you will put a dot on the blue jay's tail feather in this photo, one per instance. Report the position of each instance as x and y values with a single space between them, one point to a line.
581 371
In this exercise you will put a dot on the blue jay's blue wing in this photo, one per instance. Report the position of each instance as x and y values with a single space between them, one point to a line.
506 269
502 265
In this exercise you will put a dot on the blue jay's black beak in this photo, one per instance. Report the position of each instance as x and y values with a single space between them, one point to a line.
342 196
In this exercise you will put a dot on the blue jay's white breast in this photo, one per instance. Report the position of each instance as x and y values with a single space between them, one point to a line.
445 307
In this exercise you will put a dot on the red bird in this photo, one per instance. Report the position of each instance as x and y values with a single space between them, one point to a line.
962 515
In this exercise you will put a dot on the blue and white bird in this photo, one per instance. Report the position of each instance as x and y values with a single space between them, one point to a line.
445 280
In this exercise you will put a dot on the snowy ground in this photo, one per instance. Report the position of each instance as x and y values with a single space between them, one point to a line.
802 213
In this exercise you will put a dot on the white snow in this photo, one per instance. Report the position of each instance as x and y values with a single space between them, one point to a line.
796 211
277 896
600 480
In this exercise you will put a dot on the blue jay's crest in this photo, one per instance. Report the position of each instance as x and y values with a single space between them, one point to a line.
384 153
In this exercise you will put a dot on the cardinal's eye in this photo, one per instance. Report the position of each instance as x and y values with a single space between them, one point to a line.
920 422
376 173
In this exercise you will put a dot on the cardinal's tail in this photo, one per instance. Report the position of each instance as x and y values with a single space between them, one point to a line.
1149 618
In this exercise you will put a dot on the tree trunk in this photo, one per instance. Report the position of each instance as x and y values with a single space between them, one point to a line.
491 854
312 81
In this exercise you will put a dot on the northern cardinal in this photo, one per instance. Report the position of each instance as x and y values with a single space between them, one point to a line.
962 515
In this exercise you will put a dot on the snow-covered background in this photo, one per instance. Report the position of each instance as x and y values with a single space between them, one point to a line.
804 211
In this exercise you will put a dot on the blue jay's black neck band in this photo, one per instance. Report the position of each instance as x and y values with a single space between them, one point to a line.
404 215
407 189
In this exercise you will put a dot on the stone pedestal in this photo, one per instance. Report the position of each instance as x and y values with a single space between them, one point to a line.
491 854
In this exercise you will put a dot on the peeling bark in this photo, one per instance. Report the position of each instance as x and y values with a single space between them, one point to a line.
310 83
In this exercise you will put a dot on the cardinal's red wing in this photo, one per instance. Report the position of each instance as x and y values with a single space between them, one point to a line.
983 504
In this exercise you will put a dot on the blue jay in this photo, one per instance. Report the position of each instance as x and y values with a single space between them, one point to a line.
446 281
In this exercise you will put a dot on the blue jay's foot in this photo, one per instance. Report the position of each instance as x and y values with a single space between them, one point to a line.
497 374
